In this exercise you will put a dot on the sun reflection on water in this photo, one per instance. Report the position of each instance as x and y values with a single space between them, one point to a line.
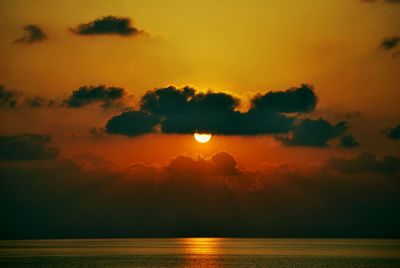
201 252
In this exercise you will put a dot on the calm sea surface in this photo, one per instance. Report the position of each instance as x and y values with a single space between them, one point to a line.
201 252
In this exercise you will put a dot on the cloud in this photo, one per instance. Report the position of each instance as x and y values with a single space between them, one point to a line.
348 141
193 196
314 132
390 43
86 95
92 162
8 98
187 111
293 100
108 25
106 96
96 132
33 35
393 133
387 1
26 147
222 163
132 123
366 162
38 102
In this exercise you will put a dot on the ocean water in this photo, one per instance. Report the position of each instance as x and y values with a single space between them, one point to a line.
201 252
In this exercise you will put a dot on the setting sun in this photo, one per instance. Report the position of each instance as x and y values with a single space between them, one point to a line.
202 137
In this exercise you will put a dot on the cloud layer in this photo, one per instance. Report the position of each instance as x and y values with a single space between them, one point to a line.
365 163
26 147
198 196
185 111
284 114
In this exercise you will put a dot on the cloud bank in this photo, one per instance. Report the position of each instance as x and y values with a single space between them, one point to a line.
198 196
24 147
185 111
171 110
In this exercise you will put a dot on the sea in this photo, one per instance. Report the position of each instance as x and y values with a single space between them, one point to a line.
201 252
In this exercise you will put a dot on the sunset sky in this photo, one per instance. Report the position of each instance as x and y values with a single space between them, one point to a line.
99 101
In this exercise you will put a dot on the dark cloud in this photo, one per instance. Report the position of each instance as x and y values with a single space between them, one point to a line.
187 111
107 25
8 98
387 1
191 197
220 164
94 94
393 133
37 102
390 43
108 97
366 162
294 100
314 132
33 35
26 147
348 141
132 123
92 162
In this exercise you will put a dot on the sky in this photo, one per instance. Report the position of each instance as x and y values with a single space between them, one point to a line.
99 102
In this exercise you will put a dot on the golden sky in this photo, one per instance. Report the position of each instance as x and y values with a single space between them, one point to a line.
239 47
99 101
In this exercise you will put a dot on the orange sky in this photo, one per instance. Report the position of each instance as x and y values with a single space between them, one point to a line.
245 47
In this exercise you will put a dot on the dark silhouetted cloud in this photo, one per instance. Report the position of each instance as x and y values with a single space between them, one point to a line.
385 1
186 111
38 102
348 141
393 133
8 98
194 196
294 100
107 97
26 147
225 164
314 132
390 43
107 25
366 162
94 94
132 123
33 35
221 164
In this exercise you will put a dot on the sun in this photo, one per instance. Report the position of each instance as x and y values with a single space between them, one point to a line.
202 137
